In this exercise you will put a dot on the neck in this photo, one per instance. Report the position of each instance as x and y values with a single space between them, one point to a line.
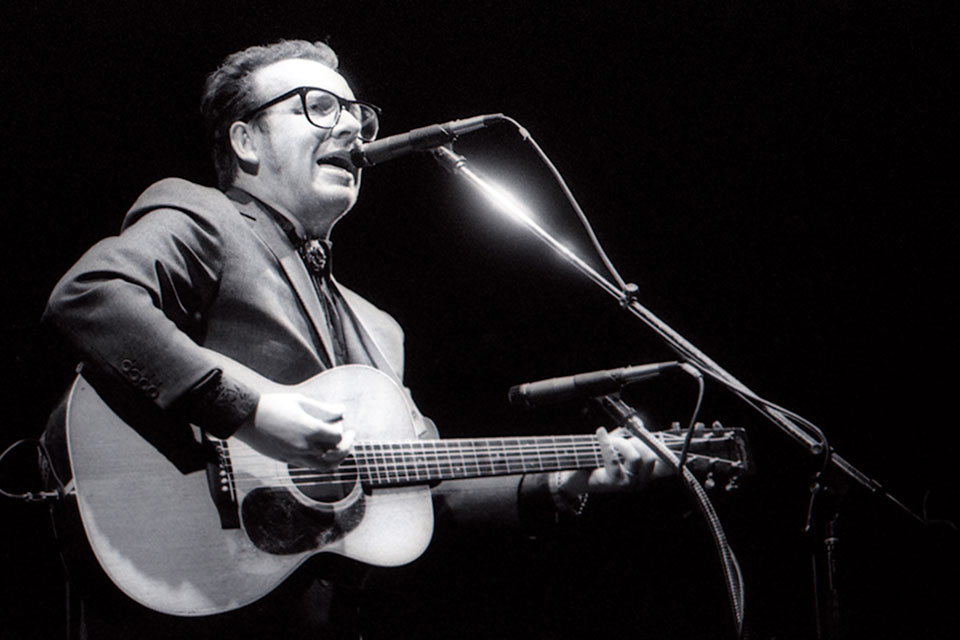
307 225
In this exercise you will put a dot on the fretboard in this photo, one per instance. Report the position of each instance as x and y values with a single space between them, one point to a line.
425 461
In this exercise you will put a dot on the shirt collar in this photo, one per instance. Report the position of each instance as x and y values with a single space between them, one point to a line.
294 232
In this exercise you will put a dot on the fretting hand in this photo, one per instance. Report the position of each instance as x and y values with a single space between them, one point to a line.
628 465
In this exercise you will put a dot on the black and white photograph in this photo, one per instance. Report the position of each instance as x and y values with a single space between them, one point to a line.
490 319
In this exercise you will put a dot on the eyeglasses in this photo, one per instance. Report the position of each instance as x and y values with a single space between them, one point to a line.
323 109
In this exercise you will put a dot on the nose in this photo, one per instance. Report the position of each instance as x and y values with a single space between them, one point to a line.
347 125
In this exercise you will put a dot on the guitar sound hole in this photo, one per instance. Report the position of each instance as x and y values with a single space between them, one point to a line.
325 486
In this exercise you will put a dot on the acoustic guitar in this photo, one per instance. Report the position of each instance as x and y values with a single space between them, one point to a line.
205 543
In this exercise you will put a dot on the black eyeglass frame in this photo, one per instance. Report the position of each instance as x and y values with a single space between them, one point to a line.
302 92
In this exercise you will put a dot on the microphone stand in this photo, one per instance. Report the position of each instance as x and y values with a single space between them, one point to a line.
824 512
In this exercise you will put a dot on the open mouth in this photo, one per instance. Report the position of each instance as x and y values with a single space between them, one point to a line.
339 161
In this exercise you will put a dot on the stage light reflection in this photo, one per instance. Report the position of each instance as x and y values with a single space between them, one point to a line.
506 203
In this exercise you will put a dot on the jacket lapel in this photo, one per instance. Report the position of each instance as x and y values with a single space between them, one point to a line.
291 264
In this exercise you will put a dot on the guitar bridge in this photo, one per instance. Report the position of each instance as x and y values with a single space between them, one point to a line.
223 491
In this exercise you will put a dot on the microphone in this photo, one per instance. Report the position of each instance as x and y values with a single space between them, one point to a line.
434 135
595 383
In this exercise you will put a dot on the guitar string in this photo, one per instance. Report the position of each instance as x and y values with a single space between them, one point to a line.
332 478
458 446
393 458
396 459
382 464
400 456
432 448
385 468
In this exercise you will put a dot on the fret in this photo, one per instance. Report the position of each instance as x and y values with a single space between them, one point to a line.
378 462
406 455
481 452
536 449
433 457
452 452
493 447
509 454
503 456
385 458
362 469
483 458
556 461
520 454
597 456
421 466
476 460
443 458
566 453
532 458
384 449
448 458
462 468
394 467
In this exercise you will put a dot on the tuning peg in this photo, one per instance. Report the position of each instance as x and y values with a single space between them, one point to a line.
710 482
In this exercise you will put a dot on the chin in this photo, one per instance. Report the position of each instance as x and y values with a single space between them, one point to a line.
327 210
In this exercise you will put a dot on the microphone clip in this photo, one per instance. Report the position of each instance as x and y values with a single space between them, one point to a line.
629 295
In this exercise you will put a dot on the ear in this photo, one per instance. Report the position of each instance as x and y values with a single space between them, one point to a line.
244 143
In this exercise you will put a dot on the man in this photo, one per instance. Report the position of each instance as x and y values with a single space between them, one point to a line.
245 273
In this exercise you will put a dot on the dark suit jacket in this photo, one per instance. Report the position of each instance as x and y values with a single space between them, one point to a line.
193 270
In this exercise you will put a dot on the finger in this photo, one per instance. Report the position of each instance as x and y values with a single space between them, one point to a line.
611 463
325 435
346 441
328 460
622 432
642 463
627 450
334 456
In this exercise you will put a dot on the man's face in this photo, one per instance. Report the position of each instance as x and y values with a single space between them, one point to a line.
302 168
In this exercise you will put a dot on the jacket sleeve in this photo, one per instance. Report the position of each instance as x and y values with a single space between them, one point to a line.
133 306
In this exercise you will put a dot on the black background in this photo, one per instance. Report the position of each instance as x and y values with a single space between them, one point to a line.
774 176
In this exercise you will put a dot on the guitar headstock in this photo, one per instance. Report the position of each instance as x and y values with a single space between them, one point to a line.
716 453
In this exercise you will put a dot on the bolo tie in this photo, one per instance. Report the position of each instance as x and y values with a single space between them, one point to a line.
315 254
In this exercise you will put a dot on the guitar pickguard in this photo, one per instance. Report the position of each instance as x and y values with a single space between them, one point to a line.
277 523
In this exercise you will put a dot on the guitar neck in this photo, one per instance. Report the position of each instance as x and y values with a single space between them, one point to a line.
426 461
408 462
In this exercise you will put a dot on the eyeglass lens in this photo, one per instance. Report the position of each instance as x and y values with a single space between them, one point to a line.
323 110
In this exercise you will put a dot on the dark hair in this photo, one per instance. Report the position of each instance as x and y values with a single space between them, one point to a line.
227 95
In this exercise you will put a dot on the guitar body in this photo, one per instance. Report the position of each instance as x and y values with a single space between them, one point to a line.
161 538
